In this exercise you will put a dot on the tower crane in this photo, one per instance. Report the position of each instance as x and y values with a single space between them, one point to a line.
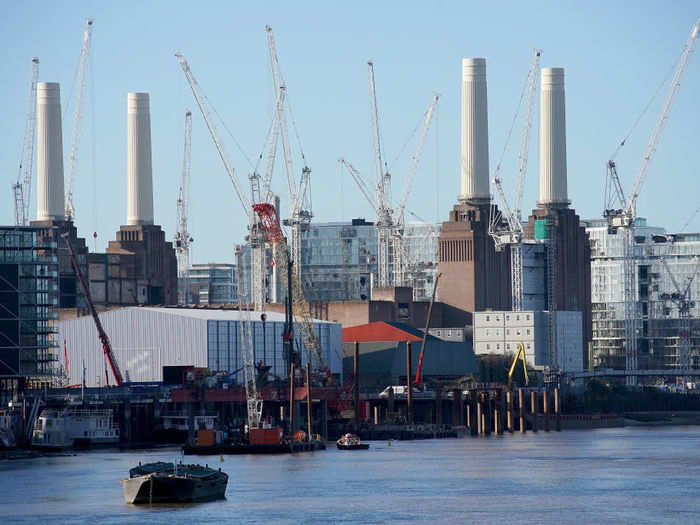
104 339
301 307
78 117
204 106
23 187
400 266
511 233
300 213
182 235
625 216
384 222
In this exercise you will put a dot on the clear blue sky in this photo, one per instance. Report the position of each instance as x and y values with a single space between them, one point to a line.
615 55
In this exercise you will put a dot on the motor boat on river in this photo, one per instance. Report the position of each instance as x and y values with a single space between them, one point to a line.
351 442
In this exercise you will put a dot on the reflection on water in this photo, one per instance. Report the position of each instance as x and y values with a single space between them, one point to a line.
609 475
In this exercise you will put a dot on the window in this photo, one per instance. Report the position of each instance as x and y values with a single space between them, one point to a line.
488 346
487 318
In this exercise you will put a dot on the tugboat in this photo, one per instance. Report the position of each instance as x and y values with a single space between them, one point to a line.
351 442
174 483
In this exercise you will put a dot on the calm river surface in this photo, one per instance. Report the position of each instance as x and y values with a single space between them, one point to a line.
626 475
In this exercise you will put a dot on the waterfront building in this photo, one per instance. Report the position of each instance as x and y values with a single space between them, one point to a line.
28 294
500 333
658 299
145 339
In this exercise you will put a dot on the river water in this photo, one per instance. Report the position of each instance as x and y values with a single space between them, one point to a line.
625 475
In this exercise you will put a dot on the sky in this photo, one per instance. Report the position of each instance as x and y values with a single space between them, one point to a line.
615 54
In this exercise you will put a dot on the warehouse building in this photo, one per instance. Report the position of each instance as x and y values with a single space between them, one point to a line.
146 339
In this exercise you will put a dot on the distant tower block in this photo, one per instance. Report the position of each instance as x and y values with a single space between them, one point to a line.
49 153
139 172
553 191
475 133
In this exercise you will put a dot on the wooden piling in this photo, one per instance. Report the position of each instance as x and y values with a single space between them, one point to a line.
409 397
291 399
533 409
308 400
376 415
479 415
521 411
557 420
356 390
496 415
545 410
509 411
469 414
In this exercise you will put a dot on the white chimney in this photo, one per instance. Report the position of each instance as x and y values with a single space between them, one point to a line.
553 190
475 133
49 153
139 173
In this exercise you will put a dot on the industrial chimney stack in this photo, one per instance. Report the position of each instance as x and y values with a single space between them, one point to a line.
553 192
475 133
49 152
139 173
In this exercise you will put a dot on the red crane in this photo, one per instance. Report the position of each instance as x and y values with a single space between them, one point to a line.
418 381
106 345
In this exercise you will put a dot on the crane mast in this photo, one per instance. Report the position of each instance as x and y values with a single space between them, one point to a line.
203 104
299 194
23 187
383 199
253 401
78 117
301 307
625 217
182 236
511 233
104 339
399 249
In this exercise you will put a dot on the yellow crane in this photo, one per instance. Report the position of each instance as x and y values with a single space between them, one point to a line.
520 353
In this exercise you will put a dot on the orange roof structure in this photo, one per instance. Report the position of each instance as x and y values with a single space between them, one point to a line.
378 331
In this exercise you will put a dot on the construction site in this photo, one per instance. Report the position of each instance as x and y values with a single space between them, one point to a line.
314 329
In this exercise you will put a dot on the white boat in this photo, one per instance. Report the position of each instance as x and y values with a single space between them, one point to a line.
80 428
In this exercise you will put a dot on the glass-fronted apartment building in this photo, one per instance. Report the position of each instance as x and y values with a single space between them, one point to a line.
666 266
28 296
212 283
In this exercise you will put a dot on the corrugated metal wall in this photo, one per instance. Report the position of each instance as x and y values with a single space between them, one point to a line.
143 342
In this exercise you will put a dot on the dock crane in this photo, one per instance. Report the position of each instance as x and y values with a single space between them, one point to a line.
510 233
520 353
104 339
23 187
78 117
625 216
301 307
183 238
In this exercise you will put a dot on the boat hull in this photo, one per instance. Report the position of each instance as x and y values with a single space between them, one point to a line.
359 446
169 488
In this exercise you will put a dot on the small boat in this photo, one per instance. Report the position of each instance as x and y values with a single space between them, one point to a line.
76 428
351 442
174 483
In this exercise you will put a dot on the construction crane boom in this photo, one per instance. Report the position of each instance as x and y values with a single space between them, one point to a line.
203 104
520 353
104 339
182 235
23 187
78 117
360 182
661 122
418 381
